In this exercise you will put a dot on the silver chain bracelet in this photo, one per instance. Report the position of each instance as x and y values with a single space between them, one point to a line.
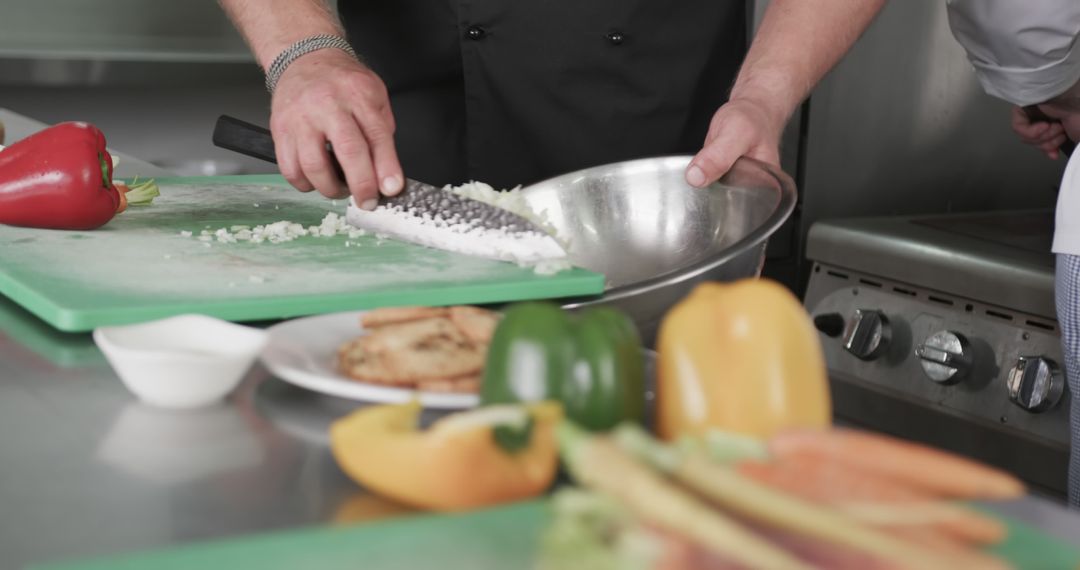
302 47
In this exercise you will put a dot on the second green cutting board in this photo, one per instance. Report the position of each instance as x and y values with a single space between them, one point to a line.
502 538
142 265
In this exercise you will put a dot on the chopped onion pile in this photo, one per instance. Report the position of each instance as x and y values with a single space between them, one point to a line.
280 232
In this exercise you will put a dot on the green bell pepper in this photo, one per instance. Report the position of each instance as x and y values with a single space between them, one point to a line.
592 362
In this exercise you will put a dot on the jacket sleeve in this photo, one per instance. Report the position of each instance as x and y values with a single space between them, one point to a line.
1022 52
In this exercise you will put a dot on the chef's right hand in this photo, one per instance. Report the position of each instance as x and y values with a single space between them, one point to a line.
1046 135
328 96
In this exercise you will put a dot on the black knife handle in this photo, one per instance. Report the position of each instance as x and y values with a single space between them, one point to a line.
252 140
245 138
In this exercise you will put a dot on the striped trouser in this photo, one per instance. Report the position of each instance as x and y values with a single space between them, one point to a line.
1067 293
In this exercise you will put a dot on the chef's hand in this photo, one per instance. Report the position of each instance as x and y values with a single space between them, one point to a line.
1047 135
741 127
327 96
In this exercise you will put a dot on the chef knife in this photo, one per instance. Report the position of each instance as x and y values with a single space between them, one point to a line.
417 200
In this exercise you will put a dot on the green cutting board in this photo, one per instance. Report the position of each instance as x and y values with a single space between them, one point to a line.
139 267
61 349
497 539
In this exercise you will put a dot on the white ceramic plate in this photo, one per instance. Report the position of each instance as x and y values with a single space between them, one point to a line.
304 352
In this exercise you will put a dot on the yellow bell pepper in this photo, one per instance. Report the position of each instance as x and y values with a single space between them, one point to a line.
742 357
463 461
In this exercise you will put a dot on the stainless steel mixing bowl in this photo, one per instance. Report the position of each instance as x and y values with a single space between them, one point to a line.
655 237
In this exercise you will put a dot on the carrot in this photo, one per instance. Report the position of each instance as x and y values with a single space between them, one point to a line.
137 193
947 519
871 498
808 476
746 497
121 191
936 472
962 555
598 463
771 508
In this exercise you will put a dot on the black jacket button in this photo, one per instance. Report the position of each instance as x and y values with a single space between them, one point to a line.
475 33
615 38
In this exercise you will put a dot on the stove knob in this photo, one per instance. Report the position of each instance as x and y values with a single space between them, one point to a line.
867 334
830 324
945 356
1035 383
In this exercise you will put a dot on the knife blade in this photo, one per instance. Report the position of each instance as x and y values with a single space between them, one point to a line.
421 199
453 215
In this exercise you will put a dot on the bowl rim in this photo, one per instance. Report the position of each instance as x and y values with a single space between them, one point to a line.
254 342
782 211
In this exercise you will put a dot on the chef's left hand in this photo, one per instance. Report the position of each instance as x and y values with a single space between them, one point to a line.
741 127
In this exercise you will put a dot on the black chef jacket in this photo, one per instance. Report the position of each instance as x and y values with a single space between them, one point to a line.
511 92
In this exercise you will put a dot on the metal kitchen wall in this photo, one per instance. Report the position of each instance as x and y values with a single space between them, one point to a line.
118 30
901 126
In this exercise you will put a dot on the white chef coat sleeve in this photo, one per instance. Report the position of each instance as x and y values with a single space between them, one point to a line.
1023 51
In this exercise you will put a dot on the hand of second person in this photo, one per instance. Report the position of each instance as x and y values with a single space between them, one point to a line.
329 97
1047 135
741 127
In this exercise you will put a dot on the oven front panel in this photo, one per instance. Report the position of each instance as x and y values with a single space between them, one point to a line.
996 339
882 376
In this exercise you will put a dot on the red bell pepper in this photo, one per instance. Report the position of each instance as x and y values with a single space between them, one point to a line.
59 178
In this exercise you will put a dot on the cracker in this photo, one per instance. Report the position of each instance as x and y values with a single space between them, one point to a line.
410 352
477 324
391 315
411 334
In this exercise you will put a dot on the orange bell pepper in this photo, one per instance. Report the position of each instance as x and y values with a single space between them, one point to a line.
472 459
742 357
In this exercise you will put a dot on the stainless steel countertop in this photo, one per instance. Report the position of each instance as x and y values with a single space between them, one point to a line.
86 470
89 471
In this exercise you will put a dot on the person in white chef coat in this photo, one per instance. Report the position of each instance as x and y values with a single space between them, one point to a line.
1027 53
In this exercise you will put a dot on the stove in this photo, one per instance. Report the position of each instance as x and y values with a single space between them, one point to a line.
942 329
